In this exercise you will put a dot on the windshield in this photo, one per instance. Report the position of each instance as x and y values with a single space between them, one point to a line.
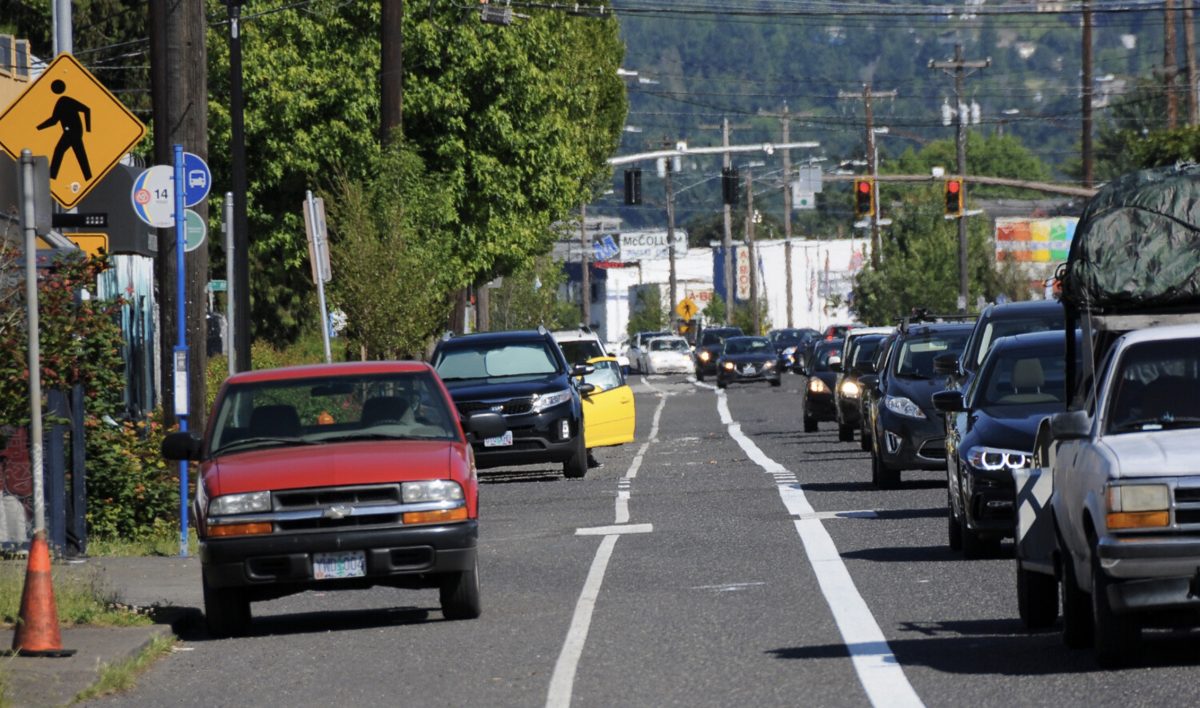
1004 328
748 345
310 411
668 345
1024 377
915 358
496 361
820 356
718 336
579 351
1157 387
863 350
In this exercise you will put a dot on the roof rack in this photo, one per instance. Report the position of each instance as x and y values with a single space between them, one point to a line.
921 315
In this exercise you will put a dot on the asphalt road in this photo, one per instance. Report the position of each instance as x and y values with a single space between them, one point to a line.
724 558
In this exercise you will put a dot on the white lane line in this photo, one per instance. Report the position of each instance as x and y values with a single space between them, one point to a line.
881 675
562 681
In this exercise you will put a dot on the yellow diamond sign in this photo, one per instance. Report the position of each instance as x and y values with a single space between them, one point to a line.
687 308
70 118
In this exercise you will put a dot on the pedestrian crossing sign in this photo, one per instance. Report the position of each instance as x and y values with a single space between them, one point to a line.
70 118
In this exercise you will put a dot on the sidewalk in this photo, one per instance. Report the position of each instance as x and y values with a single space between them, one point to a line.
169 585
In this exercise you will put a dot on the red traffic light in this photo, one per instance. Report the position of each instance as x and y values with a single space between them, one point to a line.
864 202
954 197
953 186
864 186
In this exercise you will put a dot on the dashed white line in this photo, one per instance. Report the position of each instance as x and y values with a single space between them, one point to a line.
880 674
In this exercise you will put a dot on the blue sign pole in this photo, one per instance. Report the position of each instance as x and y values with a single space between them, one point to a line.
181 349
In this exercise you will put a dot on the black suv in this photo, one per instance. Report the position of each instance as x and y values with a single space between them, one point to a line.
708 349
524 376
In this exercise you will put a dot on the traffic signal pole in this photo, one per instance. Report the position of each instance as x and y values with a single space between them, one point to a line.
959 67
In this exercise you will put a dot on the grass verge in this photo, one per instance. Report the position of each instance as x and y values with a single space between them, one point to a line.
163 545
80 595
122 675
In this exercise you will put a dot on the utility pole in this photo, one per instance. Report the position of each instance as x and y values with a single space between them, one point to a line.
1086 93
867 98
240 285
671 237
727 236
750 251
1189 52
787 213
585 287
1169 68
391 71
959 65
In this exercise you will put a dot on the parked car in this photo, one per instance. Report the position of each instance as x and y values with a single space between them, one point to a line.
332 477
747 359
637 345
817 400
788 342
524 376
846 391
667 355
906 432
712 339
997 321
990 433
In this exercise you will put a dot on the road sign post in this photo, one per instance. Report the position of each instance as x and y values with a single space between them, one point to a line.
181 348
318 251
68 116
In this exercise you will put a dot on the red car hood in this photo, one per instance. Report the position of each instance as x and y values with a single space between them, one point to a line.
334 464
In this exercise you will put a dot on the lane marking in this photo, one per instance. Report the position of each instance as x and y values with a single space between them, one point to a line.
562 681
880 674
728 587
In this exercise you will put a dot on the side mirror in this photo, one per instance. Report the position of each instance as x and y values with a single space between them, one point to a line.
585 388
868 381
582 370
948 401
945 364
180 446
1071 425
486 424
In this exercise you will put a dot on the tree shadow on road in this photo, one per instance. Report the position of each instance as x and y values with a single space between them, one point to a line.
321 622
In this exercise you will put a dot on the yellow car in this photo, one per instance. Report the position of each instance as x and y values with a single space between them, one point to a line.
609 415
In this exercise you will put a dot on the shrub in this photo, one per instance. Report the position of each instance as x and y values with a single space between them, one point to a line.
133 493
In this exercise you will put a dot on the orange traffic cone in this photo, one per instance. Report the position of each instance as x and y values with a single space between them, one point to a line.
37 630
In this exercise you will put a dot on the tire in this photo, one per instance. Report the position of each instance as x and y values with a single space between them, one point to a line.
810 424
975 547
776 382
226 611
1115 637
953 526
721 384
459 594
845 433
699 374
864 440
1076 610
577 465
1037 598
884 476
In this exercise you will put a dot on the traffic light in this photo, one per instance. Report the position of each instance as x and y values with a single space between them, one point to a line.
729 186
954 197
864 197
633 186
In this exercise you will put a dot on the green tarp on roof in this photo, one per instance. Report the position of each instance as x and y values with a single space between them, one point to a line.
1137 245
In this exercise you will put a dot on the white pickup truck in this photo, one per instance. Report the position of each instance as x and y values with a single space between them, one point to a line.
1108 516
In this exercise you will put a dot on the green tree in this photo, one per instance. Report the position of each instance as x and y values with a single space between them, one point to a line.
648 313
991 155
529 297
714 311
743 316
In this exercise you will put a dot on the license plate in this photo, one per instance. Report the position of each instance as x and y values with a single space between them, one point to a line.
501 441
341 564
748 369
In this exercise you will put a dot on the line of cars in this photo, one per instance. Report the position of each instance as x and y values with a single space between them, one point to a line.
350 475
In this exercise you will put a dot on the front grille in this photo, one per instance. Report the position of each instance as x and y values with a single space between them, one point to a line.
513 406
318 500
933 449
1187 495
1187 516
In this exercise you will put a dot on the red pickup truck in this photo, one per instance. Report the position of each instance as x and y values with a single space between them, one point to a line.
330 477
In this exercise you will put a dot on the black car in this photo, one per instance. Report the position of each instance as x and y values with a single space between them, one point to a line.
990 432
818 389
857 355
789 343
907 433
745 359
997 321
712 339
524 376
869 392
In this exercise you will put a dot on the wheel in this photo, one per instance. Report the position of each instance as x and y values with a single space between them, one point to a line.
953 526
577 465
459 594
226 611
1076 613
699 374
975 547
864 440
721 384
1115 637
845 433
776 382
810 424
1037 598
883 475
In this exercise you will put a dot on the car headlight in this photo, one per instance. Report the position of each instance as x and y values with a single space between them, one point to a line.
992 459
1132 506
432 490
903 406
769 365
542 401
850 389
816 385
253 502
705 356
728 366
789 352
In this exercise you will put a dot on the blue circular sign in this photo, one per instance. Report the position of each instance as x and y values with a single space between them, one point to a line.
197 179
